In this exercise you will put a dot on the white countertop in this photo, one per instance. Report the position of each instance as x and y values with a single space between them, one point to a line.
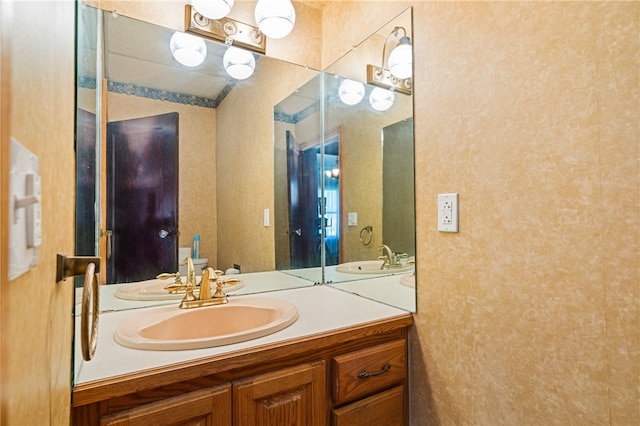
387 289
321 309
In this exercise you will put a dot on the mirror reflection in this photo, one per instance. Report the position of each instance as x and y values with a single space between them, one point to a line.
189 152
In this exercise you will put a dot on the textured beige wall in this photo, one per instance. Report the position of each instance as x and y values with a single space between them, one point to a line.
37 311
197 164
529 110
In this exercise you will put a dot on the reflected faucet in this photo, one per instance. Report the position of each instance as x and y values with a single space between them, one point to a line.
390 259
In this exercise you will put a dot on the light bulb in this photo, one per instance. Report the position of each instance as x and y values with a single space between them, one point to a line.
351 92
187 49
275 18
238 63
213 9
381 99
401 59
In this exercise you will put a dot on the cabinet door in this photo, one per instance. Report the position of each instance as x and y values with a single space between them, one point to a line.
295 396
210 407
384 409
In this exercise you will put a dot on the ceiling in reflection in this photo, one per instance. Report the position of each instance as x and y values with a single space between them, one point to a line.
138 60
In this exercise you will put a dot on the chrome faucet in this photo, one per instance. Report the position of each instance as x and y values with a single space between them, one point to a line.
390 259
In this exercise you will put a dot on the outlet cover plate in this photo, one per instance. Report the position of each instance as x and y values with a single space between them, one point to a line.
448 212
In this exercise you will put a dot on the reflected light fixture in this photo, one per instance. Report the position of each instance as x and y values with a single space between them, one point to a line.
213 9
238 63
351 92
275 18
187 49
333 173
381 99
397 76
226 30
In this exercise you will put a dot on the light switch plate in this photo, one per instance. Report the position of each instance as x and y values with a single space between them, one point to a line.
265 217
352 219
448 212
25 222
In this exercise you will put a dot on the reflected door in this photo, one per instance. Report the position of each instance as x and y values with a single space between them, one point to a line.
304 231
142 191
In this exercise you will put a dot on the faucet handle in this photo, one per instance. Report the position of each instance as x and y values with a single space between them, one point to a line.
219 293
175 286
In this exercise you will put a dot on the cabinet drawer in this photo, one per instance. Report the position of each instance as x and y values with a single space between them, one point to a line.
385 408
360 373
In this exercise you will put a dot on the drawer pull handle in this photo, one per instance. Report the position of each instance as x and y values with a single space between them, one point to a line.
385 367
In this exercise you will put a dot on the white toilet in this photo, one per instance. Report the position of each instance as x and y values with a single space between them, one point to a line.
198 264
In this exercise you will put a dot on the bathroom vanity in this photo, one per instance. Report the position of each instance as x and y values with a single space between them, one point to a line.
343 362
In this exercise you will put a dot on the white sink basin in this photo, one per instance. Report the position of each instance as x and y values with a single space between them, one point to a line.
171 328
371 267
154 290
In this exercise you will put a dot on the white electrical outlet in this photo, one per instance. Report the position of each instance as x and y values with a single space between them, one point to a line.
448 212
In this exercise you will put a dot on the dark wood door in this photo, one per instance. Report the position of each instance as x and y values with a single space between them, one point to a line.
142 197
304 230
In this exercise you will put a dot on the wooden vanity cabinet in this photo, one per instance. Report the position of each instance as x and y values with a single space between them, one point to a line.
291 396
305 382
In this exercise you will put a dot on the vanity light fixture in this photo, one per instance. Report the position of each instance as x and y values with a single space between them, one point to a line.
401 57
397 76
226 30
381 99
275 18
213 9
351 92
238 63
187 49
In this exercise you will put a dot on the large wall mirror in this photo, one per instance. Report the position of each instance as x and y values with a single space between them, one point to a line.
166 152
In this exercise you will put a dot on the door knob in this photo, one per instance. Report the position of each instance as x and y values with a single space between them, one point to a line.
164 233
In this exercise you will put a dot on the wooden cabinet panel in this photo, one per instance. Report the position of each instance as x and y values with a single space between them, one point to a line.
361 373
294 396
383 409
210 407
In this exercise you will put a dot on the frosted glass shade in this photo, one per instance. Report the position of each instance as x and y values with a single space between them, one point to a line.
381 99
187 49
275 18
351 92
401 59
213 9
238 63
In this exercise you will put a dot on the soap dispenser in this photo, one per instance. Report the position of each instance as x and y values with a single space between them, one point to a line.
196 246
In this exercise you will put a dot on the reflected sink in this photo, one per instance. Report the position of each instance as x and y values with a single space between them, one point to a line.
171 328
408 280
154 290
371 267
